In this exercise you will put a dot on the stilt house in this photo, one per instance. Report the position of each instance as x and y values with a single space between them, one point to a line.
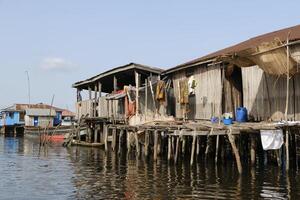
260 74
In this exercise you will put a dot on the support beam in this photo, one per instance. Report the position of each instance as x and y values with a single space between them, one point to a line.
137 86
120 141
252 151
95 100
193 149
147 140
287 154
114 138
169 148
146 98
115 84
105 132
96 135
155 145
217 149
137 145
177 149
99 105
235 151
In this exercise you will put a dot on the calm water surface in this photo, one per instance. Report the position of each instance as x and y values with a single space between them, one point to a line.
27 172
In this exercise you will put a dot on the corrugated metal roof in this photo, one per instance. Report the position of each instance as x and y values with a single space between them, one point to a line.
251 43
117 70
40 112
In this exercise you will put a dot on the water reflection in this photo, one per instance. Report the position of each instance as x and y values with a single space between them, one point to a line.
30 172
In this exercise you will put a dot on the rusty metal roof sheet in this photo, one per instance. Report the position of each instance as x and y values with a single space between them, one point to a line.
251 43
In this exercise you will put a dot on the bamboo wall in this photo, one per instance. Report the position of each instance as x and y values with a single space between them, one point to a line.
208 92
265 95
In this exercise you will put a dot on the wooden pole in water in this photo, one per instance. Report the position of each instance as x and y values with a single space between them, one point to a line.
198 146
235 150
183 144
252 151
155 145
120 141
169 148
287 150
146 142
96 134
217 149
128 142
177 148
105 132
137 146
114 138
193 149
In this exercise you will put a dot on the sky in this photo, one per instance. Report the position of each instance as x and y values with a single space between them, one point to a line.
60 42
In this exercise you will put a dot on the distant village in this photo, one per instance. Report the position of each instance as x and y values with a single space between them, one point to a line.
230 102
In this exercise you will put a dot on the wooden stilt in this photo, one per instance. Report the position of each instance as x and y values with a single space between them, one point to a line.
120 141
183 144
105 132
96 135
169 148
159 141
198 146
193 149
137 146
252 151
287 155
235 151
128 142
208 143
177 149
147 140
217 149
155 145
114 138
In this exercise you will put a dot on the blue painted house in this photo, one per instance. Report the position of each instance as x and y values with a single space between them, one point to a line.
11 117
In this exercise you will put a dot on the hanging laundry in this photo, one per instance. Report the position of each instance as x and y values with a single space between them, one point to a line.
130 105
160 91
184 91
271 139
192 85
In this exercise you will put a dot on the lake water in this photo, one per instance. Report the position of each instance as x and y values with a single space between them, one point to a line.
28 172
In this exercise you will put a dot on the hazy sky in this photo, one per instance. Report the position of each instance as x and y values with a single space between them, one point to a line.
63 41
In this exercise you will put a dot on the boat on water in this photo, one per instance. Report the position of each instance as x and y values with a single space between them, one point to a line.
58 133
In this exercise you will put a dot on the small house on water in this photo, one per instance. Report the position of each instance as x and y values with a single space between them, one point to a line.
188 102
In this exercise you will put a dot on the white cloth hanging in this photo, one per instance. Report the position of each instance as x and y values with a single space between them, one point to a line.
271 139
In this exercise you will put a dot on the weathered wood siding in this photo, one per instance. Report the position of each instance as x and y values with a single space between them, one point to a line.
208 92
265 95
43 121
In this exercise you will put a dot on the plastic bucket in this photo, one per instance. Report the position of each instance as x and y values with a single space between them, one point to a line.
227 121
241 114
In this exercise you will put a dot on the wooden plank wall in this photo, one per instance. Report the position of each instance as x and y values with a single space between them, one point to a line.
265 95
208 92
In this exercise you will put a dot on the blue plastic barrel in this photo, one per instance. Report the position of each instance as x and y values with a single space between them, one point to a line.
227 121
241 114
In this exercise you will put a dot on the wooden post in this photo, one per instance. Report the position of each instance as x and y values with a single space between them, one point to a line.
146 98
217 149
95 101
114 138
193 149
155 145
198 146
169 148
90 102
235 150
252 151
137 146
177 149
120 141
115 84
183 144
287 154
146 142
128 142
137 85
96 134
99 104
105 132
